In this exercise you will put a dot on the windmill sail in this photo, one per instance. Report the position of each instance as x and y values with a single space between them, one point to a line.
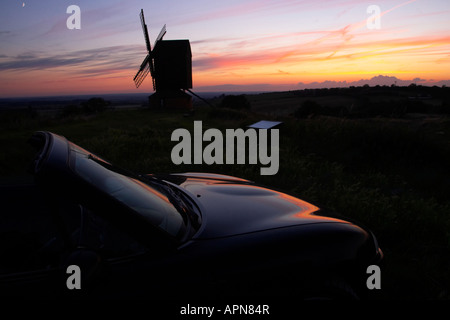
144 28
143 71
160 35
147 65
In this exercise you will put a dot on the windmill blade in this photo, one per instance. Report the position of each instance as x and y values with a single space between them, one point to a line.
140 76
143 71
144 28
160 35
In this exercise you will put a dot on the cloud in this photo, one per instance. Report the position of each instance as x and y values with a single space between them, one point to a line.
348 42
109 19
103 59
380 80
263 8
255 87
234 10
295 53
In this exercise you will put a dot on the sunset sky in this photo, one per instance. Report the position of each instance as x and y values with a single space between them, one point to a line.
236 45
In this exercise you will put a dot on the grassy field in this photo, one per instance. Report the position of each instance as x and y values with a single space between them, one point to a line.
391 174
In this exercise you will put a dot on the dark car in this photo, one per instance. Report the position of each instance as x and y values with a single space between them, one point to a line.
169 236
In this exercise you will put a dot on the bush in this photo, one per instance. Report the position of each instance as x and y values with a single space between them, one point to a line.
70 110
308 108
95 105
226 114
235 102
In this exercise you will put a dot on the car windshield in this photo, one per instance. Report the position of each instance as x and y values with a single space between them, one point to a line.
143 199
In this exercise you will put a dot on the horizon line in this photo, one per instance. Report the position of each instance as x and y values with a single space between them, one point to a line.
100 94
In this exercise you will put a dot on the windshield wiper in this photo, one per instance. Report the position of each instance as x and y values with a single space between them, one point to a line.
176 198
177 202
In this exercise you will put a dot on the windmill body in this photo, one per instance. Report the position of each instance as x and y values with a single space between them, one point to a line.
170 66
173 65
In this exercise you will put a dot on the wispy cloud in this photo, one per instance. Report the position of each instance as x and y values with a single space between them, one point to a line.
301 52
103 19
240 42
350 46
304 45
226 12
105 59
263 8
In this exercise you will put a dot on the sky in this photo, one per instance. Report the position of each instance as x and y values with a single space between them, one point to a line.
254 45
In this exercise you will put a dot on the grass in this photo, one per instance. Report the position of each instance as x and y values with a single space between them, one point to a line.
392 175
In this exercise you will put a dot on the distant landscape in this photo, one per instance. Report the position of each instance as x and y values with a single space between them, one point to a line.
353 101
377 154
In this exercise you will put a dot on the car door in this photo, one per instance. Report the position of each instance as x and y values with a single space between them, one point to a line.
31 246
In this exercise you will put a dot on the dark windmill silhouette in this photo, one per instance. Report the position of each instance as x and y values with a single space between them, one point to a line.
170 66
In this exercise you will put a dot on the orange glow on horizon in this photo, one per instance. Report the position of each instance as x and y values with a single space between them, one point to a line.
265 46
404 59
353 60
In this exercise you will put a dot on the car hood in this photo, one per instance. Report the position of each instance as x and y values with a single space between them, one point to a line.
231 206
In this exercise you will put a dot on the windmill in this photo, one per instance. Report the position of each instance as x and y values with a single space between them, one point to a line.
170 66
